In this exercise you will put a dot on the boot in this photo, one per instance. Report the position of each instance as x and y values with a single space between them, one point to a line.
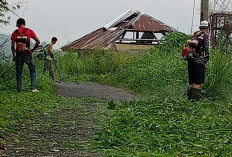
194 94
190 93
197 94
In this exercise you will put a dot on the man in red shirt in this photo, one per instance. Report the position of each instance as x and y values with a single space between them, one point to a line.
22 53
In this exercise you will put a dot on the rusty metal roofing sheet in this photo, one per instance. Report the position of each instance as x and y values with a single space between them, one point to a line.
147 23
100 38
104 38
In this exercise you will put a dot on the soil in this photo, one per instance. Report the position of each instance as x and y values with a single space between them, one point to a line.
69 129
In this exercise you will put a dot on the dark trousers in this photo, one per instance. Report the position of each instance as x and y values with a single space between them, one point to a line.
21 58
48 66
196 72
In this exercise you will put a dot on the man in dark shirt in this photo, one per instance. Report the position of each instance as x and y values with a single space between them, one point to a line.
22 53
197 61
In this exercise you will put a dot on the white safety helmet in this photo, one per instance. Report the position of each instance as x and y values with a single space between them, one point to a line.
204 24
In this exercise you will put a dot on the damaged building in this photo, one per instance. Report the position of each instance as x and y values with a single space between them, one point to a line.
132 30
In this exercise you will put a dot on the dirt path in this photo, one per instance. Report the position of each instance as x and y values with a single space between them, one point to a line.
93 90
68 130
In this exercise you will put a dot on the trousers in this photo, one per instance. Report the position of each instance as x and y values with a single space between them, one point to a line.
21 58
196 72
48 66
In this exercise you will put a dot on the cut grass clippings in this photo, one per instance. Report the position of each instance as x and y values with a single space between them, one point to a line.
172 127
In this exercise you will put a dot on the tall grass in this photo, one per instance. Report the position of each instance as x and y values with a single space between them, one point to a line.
159 73
90 65
156 74
218 82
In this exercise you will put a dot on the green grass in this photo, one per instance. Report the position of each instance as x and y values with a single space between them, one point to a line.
160 73
90 65
17 108
171 127
218 85
163 123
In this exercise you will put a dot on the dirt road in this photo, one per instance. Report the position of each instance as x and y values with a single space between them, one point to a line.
93 90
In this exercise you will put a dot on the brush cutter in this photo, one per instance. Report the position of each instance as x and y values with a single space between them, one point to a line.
54 62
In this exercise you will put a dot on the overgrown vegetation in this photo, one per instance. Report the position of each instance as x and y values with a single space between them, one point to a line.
160 73
164 123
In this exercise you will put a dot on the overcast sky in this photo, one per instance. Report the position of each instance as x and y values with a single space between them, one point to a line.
69 20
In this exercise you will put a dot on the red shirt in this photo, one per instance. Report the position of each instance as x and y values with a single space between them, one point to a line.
29 33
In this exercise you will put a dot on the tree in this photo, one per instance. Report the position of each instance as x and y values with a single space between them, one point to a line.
7 6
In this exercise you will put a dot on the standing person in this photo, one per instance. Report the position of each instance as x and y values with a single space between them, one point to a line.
49 60
197 60
20 47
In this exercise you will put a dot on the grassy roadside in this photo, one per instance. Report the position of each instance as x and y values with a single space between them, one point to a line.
18 108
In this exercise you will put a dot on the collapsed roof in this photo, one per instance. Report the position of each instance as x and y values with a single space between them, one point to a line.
115 32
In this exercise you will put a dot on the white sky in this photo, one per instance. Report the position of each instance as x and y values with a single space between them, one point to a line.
69 20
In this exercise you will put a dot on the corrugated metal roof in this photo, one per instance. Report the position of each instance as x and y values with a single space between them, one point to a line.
100 38
147 23
104 38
